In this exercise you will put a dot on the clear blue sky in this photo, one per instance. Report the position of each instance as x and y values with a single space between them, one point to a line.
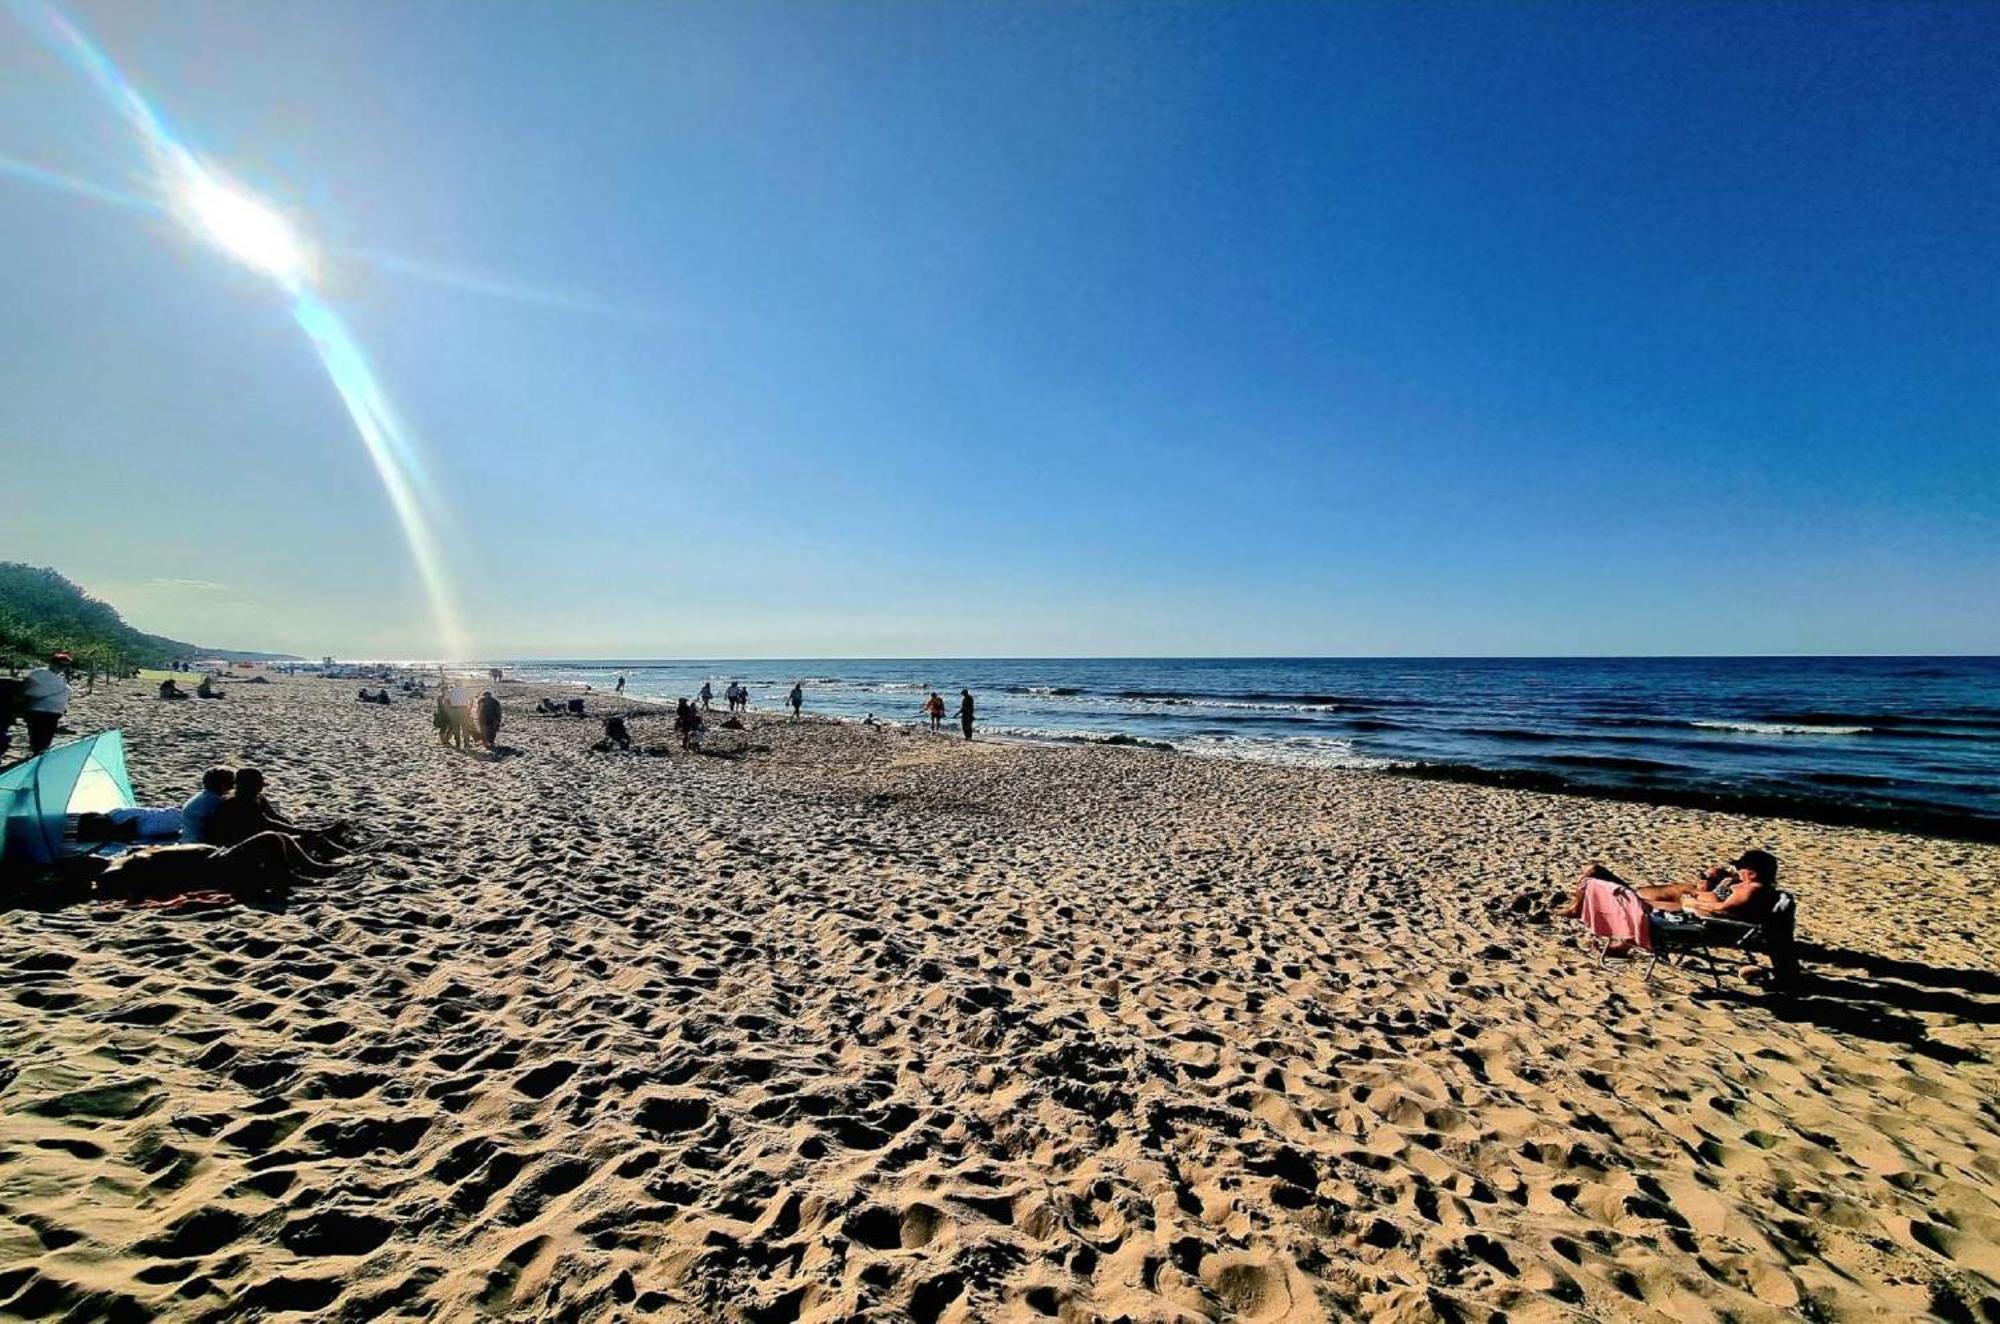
840 329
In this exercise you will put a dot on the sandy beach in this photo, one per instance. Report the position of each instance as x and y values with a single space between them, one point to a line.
873 1024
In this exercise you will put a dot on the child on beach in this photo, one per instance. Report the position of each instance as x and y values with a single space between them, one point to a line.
934 709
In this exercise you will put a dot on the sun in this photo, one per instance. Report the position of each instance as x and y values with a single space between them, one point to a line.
243 226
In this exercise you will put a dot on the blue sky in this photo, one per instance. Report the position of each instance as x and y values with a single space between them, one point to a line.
879 329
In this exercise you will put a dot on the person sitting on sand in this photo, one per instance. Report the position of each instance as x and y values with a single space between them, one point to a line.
934 709
489 718
247 812
169 690
198 814
616 733
1744 889
965 712
207 689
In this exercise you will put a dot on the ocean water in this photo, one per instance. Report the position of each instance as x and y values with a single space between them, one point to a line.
1898 741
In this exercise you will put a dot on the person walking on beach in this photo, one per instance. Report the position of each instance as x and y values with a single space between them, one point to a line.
619 688
457 704
489 718
965 712
934 709
707 696
687 722
44 698
797 699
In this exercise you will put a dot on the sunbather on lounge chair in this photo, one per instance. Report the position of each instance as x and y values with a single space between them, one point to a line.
1743 889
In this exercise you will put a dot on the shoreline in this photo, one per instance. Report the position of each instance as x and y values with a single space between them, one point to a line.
1939 824
1730 753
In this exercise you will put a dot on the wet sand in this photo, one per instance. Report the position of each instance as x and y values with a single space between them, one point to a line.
872 1024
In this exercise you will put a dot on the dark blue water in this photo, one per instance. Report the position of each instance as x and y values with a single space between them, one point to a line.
1910 741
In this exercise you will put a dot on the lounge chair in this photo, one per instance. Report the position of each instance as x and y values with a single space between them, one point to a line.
1681 937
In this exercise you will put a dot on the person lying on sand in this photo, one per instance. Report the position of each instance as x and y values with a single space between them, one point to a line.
248 813
137 824
266 862
1743 889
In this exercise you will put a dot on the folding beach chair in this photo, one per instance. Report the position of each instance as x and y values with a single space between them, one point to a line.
1681 938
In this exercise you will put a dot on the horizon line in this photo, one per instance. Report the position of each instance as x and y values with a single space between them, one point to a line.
1176 657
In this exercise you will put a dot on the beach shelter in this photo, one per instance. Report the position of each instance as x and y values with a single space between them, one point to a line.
39 799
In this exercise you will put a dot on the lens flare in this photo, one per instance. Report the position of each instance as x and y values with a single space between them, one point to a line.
249 230
244 228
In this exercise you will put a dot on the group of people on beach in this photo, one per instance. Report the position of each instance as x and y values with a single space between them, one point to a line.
207 689
227 837
934 709
461 721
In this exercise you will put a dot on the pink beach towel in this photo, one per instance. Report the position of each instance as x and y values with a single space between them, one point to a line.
1614 911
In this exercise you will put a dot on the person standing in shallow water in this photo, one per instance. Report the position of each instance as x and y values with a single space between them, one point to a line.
965 712
934 709
620 687
797 699
707 696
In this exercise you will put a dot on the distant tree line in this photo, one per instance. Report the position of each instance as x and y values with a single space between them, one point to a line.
41 612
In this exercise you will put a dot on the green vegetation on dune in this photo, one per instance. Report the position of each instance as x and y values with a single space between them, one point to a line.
42 612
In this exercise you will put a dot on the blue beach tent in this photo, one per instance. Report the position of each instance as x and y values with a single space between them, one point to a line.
41 798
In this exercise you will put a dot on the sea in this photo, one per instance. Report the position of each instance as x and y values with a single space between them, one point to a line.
1907 742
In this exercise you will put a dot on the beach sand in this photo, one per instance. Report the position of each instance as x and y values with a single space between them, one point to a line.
874 1024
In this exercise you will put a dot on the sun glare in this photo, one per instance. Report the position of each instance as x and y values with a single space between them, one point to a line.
244 227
